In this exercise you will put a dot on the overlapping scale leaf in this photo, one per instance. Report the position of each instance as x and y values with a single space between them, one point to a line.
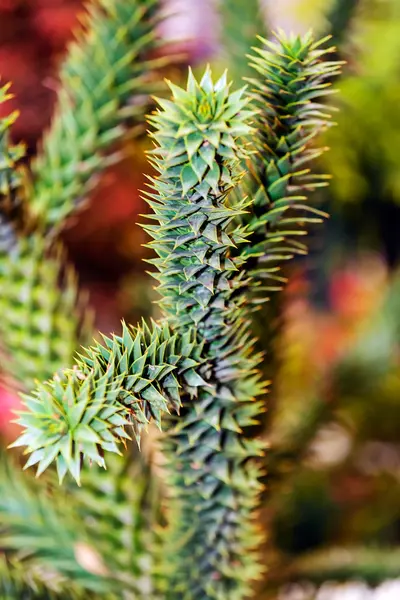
114 387
106 83
214 475
293 78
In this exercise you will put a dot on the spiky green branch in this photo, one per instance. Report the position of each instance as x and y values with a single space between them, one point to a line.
94 547
373 564
293 79
42 320
16 582
11 177
120 507
213 466
106 83
121 384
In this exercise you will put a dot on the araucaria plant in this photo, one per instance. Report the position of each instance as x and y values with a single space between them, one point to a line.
228 199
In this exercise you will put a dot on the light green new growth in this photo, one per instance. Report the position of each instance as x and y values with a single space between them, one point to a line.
106 83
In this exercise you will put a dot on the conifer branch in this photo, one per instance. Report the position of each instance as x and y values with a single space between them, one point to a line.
11 178
43 319
106 83
293 79
91 548
120 507
17 582
124 383
200 360
213 464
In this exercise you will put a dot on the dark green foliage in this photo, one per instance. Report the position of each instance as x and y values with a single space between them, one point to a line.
129 381
293 78
303 518
106 82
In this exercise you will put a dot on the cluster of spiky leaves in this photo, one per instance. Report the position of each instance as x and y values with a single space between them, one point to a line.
15 582
106 83
293 78
124 383
213 467
107 79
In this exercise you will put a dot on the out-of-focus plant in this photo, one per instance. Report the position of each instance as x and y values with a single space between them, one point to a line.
241 22
366 142
364 158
